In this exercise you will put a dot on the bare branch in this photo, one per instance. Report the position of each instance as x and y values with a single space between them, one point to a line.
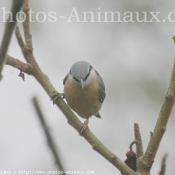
26 26
20 40
139 146
163 165
10 25
19 65
47 133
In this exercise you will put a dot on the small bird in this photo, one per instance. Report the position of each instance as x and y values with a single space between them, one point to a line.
84 91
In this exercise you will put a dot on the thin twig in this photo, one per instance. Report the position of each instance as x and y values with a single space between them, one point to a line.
10 25
26 26
132 143
139 145
20 39
26 68
48 135
163 165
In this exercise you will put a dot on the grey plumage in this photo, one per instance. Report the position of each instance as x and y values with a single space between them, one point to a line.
80 70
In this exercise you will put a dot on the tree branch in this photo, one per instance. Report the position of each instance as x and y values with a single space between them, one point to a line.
48 135
26 68
26 26
139 146
20 40
163 165
10 25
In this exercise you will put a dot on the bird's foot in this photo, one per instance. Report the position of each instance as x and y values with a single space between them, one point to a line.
57 95
85 124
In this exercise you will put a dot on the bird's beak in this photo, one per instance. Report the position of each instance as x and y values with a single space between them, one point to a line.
82 84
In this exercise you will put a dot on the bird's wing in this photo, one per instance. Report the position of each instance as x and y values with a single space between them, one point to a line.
102 93
65 79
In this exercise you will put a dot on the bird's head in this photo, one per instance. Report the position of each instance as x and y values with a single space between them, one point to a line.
80 71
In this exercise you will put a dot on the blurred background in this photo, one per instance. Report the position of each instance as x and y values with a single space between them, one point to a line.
135 60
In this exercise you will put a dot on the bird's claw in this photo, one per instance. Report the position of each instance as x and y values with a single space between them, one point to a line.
57 95
84 126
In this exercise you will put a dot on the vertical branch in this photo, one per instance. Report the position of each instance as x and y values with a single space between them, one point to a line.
26 26
48 135
163 165
10 25
139 146
19 39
